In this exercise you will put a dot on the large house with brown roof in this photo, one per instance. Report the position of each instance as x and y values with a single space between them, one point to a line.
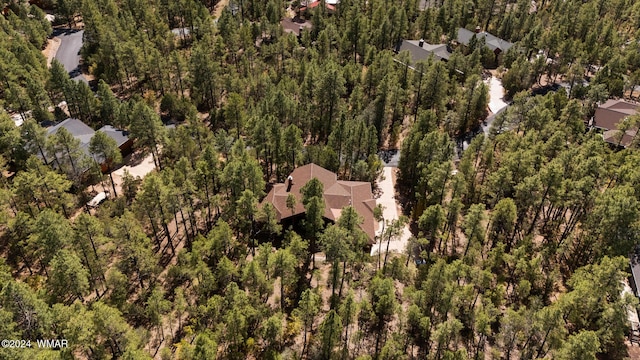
337 195
609 115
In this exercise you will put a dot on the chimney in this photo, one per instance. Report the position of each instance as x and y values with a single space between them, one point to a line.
421 42
477 29
289 183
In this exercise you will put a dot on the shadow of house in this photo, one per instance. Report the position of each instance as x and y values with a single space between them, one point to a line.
337 195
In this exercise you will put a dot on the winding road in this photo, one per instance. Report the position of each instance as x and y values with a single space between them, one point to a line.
68 53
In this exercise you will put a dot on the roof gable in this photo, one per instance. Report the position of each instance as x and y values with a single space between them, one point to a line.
438 51
77 128
612 112
120 136
492 41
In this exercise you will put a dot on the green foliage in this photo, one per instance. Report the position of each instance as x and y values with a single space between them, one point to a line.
68 278
518 77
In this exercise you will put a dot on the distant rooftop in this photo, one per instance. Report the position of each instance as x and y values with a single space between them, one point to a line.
315 4
292 26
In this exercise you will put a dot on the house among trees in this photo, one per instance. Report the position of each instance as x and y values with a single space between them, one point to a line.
329 5
84 133
79 130
420 50
337 195
610 118
295 26
125 144
494 43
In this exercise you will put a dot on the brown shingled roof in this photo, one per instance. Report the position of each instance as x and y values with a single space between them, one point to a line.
337 195
611 136
609 114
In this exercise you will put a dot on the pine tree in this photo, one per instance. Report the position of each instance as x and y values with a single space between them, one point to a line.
105 151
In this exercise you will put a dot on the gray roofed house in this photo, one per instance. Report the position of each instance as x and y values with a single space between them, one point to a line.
78 129
294 26
421 50
494 43
425 4
120 136
84 133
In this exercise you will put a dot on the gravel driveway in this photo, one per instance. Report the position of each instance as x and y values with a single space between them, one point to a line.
391 212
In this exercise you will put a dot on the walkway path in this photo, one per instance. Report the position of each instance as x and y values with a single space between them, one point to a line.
391 212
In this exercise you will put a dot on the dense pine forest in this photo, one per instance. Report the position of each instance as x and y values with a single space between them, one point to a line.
521 236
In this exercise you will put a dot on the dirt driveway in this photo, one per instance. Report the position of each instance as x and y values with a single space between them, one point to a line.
391 212
135 166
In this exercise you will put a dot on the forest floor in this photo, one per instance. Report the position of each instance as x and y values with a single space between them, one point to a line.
392 211
633 351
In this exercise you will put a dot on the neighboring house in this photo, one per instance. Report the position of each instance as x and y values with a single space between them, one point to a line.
295 27
337 195
19 118
78 129
494 43
84 134
609 115
329 5
420 50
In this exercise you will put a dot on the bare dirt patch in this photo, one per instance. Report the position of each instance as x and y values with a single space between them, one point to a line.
217 11
633 350
51 49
